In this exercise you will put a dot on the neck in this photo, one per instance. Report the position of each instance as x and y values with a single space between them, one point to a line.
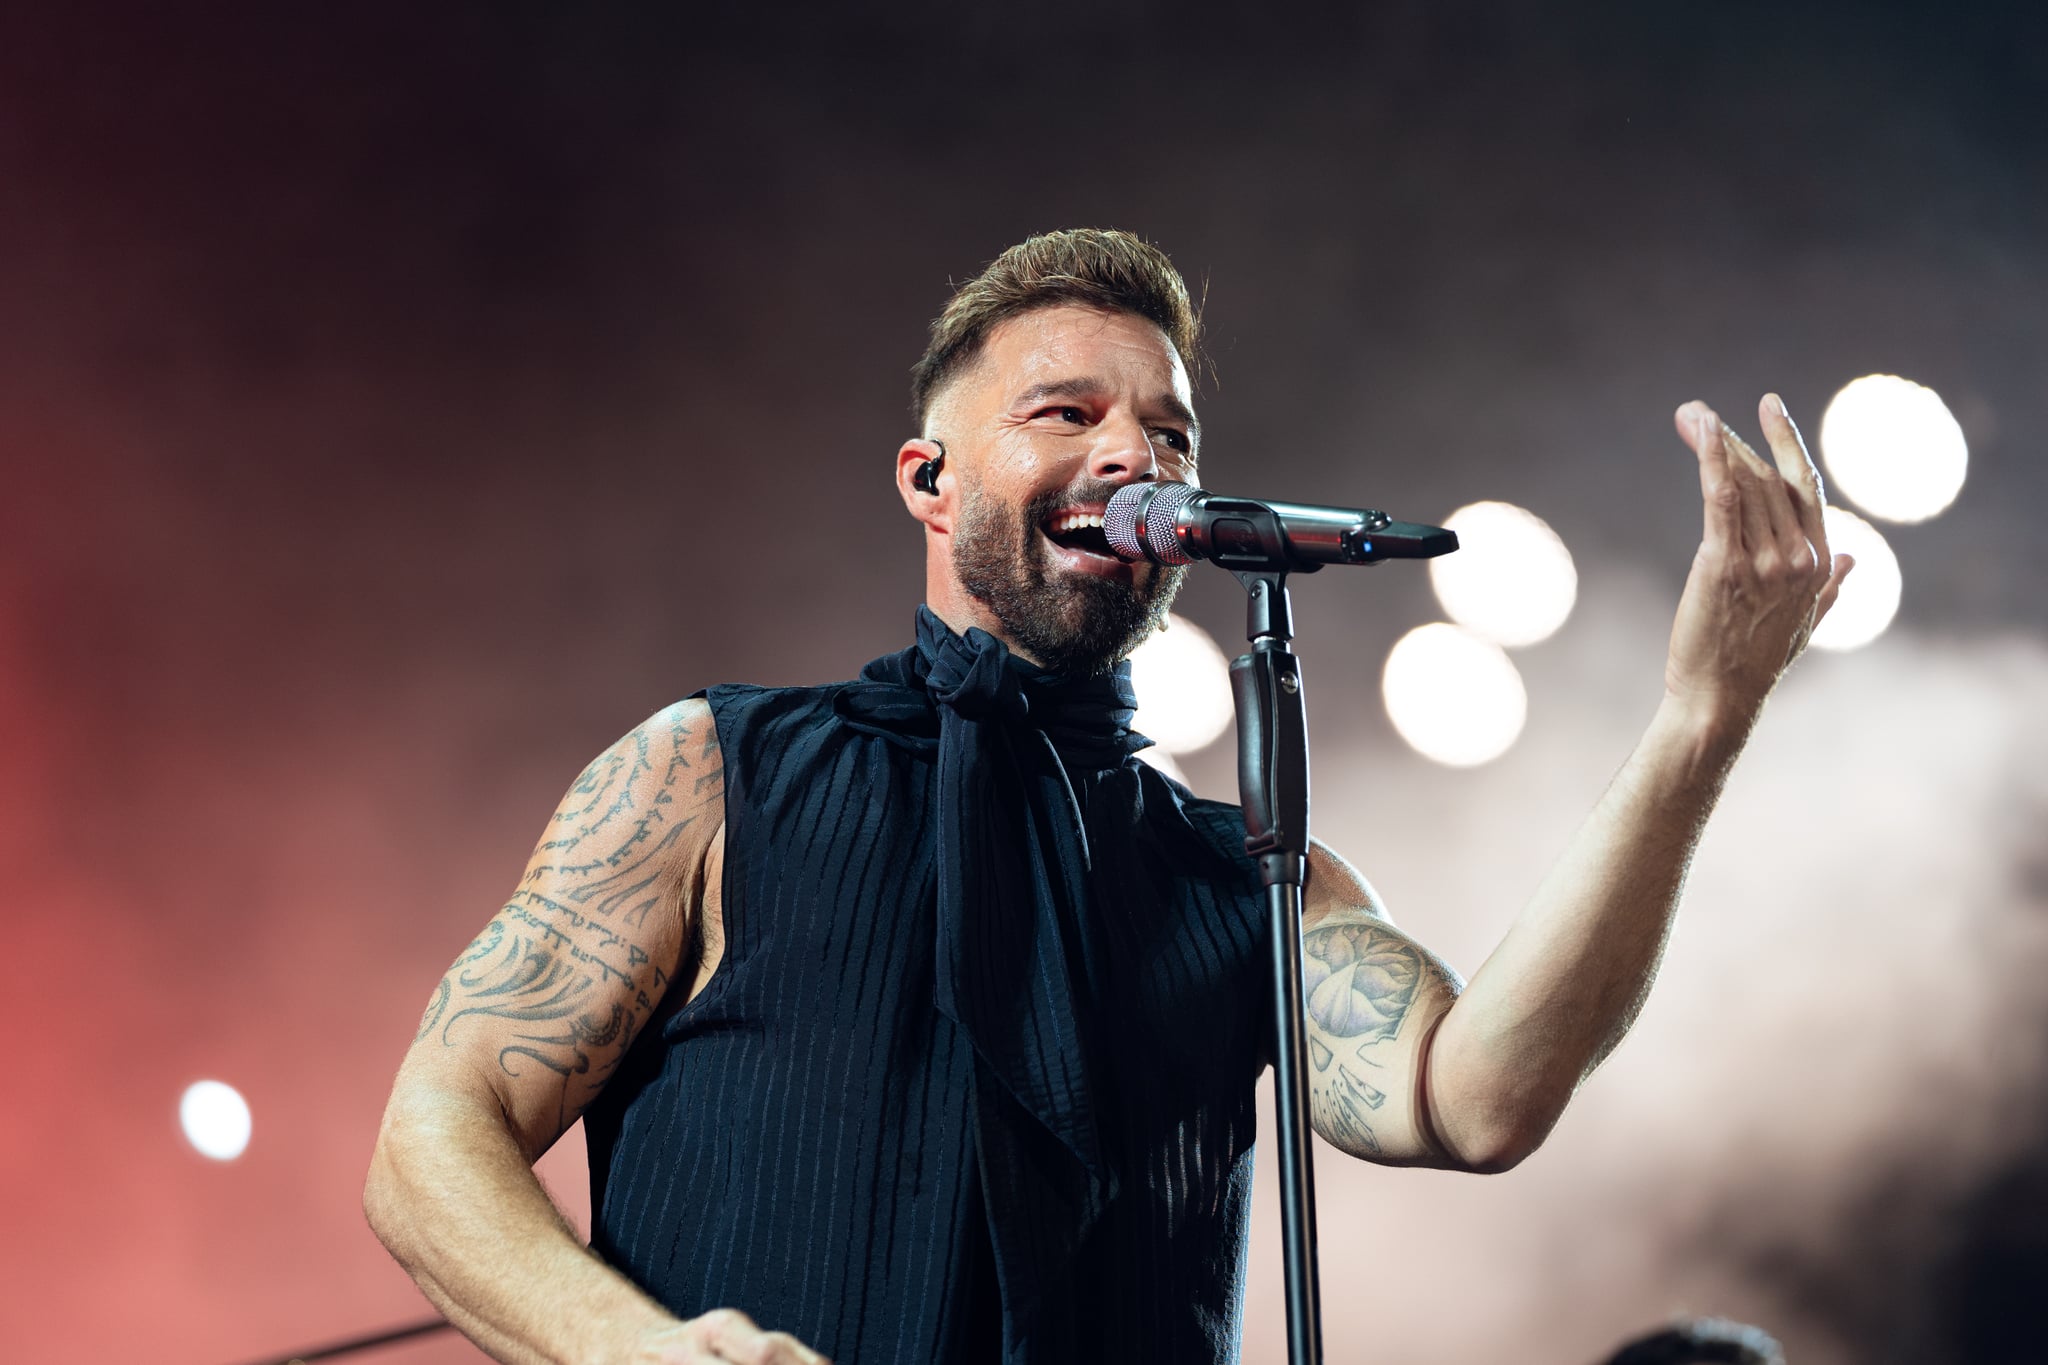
961 611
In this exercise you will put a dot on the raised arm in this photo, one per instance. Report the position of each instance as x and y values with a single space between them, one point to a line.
1493 1071
522 1034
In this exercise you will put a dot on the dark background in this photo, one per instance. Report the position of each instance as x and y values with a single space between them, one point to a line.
399 403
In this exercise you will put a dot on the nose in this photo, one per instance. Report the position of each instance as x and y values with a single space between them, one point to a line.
1123 453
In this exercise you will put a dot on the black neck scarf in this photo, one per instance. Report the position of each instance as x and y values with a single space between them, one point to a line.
1012 870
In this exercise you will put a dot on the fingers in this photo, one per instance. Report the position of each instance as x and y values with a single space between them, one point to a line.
780 1348
730 1336
1735 484
1767 521
1770 511
1722 498
1828 594
1761 580
1801 474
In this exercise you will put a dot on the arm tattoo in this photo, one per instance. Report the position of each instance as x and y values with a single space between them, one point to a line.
1359 981
565 971
1338 1106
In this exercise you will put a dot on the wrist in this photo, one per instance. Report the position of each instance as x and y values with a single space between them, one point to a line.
624 1327
1705 731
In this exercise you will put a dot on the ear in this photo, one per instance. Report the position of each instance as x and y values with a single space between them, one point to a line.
935 510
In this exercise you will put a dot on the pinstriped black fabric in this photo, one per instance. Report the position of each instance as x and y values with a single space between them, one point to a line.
801 1141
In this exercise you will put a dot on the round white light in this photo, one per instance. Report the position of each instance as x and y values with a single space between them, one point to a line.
1455 697
1870 594
1893 448
215 1118
1183 686
1511 578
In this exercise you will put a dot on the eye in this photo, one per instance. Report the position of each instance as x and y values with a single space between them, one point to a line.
1061 412
1175 439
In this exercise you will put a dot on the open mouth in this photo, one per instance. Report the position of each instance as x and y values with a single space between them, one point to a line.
1076 530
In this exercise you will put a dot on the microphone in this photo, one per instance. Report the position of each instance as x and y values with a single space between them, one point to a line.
1176 523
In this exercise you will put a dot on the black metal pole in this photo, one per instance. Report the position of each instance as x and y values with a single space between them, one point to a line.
1297 1161
1272 777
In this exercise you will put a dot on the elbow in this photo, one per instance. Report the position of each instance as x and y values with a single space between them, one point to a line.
1490 1139
1480 1119
383 1192
432 1142
400 1173
1496 1152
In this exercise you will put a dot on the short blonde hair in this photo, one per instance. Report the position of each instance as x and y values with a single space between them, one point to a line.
1097 267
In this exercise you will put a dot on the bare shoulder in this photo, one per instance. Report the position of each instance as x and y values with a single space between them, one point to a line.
647 804
1340 904
543 1005
1336 887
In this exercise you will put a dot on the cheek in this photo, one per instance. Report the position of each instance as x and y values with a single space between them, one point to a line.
1027 461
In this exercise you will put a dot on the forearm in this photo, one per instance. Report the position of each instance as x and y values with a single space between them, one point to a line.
1566 982
454 1198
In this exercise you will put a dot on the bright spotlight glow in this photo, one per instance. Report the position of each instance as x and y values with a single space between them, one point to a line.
215 1118
1455 697
1893 448
1183 686
1511 579
1870 594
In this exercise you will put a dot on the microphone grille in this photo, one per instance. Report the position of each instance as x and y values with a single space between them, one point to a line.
1138 522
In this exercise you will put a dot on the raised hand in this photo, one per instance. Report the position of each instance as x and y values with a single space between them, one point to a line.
1763 576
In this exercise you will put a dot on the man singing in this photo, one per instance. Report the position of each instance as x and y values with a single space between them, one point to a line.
913 1018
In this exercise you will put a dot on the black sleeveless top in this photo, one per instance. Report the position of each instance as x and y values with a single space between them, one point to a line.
973 1079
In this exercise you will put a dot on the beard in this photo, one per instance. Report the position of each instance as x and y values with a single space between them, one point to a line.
1077 623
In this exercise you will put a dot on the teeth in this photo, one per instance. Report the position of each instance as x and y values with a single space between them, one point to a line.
1074 521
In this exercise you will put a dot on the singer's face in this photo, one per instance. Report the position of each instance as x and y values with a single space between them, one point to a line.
1065 406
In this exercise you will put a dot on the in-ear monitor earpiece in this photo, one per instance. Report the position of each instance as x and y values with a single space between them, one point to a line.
926 479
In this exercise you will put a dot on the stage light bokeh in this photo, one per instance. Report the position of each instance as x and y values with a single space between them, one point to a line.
1870 594
1893 448
1512 580
216 1119
1455 696
1183 686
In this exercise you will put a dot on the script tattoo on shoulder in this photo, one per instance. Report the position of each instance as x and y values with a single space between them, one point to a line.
1358 982
566 970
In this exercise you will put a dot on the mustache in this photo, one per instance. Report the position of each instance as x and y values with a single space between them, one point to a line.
1052 500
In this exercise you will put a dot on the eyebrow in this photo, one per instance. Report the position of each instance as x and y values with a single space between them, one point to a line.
1168 403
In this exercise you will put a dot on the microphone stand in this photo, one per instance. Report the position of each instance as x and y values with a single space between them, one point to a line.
1272 779
1261 543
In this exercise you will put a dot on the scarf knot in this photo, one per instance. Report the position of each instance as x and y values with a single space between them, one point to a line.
972 674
